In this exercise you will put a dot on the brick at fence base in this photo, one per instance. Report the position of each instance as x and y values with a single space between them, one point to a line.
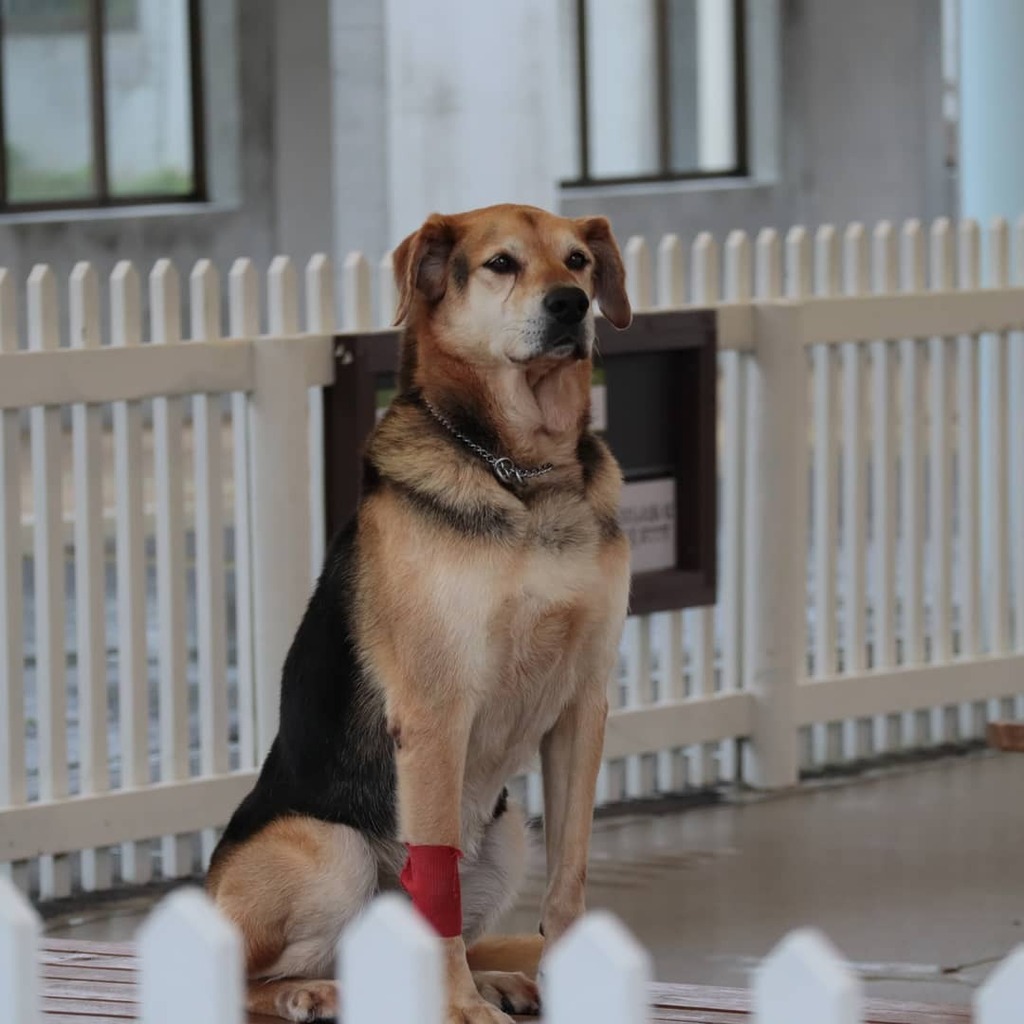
1006 735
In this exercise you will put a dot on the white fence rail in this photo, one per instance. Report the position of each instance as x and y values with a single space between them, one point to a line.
156 540
390 968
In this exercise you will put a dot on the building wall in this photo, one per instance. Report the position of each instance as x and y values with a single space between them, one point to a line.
846 123
240 219
342 123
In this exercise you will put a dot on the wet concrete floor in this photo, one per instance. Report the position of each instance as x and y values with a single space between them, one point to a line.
916 875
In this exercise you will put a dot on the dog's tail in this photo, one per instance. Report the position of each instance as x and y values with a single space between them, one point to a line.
507 953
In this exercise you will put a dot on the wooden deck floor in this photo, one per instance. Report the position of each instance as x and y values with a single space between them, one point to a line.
94 983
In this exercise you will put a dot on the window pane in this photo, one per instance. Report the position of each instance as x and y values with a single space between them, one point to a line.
622 87
149 98
682 85
716 85
47 116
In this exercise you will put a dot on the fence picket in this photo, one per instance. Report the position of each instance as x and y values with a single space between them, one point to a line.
969 276
1000 998
639 280
738 288
994 534
768 284
670 283
855 282
387 293
130 539
356 293
90 565
804 981
1016 454
48 563
190 963
912 272
669 291
243 322
168 431
826 462
20 931
390 967
320 319
596 974
12 653
211 585
940 470
704 291
885 274
282 297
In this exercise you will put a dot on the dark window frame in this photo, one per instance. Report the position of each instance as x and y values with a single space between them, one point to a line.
664 173
102 197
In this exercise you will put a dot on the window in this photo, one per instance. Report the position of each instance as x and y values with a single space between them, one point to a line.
99 103
661 89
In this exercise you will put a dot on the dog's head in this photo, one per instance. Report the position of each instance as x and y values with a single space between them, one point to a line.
511 284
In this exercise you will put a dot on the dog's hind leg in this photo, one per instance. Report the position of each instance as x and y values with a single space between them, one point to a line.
290 890
490 884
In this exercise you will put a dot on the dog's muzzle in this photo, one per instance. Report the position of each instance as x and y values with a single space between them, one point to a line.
566 335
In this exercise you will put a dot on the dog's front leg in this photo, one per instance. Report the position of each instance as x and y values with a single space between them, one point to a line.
431 745
570 761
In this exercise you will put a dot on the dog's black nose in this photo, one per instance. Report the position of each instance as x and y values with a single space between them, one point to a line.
567 305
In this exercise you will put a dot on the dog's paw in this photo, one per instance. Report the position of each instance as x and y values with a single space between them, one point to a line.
475 1011
310 1001
511 992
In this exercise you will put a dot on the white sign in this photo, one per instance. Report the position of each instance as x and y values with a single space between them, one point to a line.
648 518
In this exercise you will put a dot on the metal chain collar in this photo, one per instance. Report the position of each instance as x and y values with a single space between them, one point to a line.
503 467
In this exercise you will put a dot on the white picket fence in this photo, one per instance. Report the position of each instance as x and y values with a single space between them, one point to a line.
390 968
157 542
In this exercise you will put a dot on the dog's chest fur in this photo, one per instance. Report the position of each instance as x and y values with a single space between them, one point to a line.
516 615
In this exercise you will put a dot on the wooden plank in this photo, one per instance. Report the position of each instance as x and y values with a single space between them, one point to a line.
910 687
48 563
107 374
913 314
178 807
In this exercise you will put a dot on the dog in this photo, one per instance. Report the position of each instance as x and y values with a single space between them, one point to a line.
468 618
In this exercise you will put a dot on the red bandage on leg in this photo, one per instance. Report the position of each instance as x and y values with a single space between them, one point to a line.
431 878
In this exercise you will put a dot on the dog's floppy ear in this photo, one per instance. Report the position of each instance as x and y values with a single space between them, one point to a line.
421 263
609 273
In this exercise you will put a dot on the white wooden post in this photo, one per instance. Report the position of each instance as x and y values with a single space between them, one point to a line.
390 967
20 929
1001 999
48 563
387 294
805 981
243 323
597 974
12 655
280 497
320 319
168 420
190 964
133 682
90 568
356 293
704 291
778 540
670 292
210 564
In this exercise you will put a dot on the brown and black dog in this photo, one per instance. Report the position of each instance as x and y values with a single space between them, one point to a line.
466 619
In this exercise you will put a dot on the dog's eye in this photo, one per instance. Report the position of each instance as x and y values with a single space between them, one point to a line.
502 264
576 260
